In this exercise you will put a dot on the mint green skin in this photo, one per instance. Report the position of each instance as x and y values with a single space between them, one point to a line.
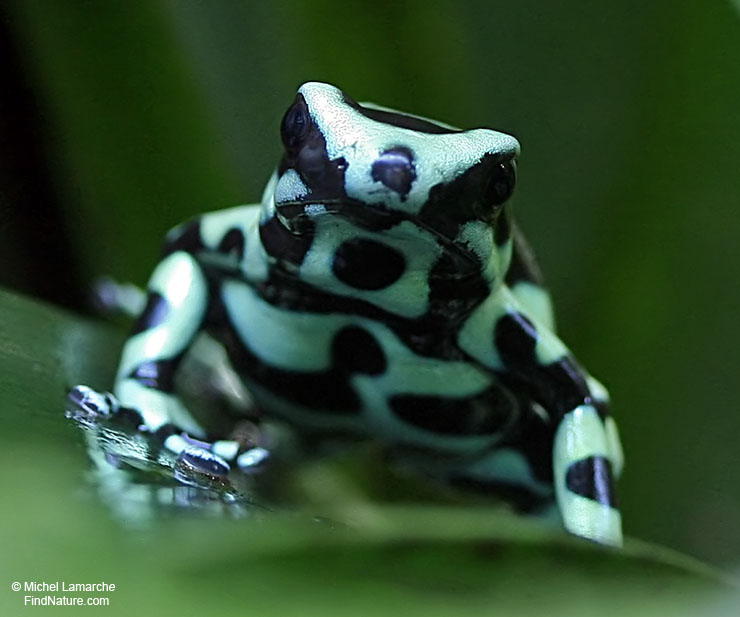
301 340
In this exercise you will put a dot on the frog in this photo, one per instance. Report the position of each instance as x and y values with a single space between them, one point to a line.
380 289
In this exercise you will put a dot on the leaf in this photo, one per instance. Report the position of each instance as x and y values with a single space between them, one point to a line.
131 138
361 558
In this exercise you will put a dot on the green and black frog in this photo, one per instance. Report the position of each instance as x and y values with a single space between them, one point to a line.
380 289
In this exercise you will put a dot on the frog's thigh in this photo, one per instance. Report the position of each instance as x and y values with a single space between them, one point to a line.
176 305
584 486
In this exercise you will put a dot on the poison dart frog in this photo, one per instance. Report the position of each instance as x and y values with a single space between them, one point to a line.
381 289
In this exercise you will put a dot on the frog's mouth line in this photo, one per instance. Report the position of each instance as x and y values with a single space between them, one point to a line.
294 217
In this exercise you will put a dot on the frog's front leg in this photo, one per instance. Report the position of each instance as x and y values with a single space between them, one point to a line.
178 304
586 454
177 299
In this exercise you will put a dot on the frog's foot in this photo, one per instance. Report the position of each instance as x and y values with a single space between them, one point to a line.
212 458
92 402
197 456
197 459
91 407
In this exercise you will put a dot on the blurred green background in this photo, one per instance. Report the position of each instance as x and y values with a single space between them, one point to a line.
120 119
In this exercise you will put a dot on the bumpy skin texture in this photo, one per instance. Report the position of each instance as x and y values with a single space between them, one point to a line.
381 288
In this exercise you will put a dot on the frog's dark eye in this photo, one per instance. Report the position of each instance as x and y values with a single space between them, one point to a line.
500 184
295 125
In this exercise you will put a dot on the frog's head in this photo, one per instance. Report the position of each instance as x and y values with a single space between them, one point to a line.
377 168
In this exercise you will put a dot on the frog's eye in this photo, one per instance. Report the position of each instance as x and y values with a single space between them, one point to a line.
500 184
296 125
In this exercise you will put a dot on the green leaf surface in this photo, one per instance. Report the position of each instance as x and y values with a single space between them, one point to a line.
129 137
346 557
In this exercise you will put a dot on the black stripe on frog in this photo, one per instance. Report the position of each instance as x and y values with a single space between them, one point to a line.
157 374
486 413
185 237
476 195
592 478
305 152
559 386
398 119
233 243
433 334
155 313
282 244
353 351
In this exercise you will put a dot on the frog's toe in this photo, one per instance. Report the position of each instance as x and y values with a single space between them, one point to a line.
253 459
112 298
93 402
199 460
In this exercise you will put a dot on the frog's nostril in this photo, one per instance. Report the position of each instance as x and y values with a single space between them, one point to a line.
395 169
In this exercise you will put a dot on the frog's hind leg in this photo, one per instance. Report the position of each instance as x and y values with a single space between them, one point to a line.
571 465
517 470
